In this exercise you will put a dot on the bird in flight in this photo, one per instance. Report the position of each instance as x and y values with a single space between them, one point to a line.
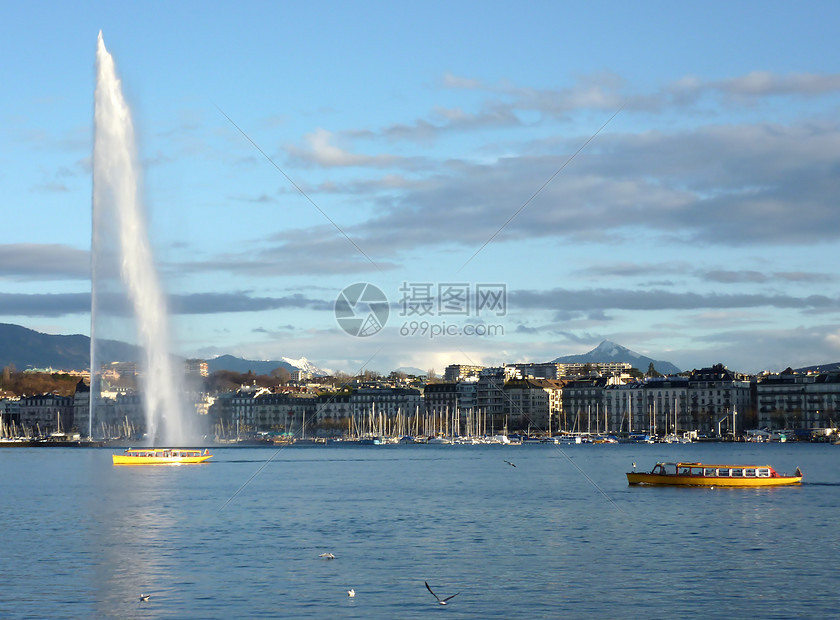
327 556
511 464
145 597
442 601
351 593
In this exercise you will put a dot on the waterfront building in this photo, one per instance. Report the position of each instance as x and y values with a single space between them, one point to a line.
584 399
10 417
822 402
532 403
490 398
287 412
798 401
467 398
624 406
440 399
47 413
81 408
719 399
666 405
333 407
381 406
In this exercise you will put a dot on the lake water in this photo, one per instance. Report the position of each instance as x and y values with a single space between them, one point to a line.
560 534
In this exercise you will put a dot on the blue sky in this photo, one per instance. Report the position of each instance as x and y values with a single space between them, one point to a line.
698 225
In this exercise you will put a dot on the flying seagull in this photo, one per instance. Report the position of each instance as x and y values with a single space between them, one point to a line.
145 597
511 464
351 593
442 601
327 556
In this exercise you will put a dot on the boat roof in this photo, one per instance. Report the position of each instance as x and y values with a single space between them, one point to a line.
164 449
691 464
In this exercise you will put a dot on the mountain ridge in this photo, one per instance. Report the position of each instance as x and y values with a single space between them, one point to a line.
28 349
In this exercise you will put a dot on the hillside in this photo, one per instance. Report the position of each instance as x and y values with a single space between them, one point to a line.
261 367
26 348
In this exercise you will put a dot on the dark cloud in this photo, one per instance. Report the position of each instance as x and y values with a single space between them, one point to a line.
60 304
598 300
318 250
46 304
764 84
731 277
43 261
215 303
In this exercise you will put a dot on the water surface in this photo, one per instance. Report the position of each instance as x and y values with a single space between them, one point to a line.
560 534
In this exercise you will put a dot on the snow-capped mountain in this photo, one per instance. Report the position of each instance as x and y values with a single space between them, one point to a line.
305 365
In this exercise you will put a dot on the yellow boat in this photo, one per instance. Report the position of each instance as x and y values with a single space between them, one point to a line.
161 456
703 475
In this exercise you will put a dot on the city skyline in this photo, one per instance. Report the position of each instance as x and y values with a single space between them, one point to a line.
662 177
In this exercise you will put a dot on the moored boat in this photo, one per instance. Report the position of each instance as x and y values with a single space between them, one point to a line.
161 456
704 475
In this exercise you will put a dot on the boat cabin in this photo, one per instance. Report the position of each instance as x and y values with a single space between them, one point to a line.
163 453
713 471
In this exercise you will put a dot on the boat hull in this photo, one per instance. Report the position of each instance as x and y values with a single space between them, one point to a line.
708 481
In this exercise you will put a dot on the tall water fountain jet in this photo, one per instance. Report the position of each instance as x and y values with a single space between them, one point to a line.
122 258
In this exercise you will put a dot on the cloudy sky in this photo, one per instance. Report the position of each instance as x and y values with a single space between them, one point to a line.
666 177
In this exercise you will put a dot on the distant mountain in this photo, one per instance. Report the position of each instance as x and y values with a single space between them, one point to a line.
262 367
611 352
410 370
305 364
26 348
819 368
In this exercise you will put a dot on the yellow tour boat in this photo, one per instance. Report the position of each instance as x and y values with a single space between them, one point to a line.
703 475
161 456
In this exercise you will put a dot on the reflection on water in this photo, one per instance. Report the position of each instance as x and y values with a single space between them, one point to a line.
539 540
139 514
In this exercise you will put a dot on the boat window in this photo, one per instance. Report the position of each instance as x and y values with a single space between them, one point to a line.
709 471
737 473
763 472
696 471
749 473
724 472
685 471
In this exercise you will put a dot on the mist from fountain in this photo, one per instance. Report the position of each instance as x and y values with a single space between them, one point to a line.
120 238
